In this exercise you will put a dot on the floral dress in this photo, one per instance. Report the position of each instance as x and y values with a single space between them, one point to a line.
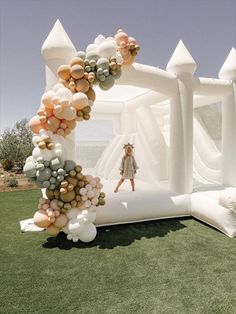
128 167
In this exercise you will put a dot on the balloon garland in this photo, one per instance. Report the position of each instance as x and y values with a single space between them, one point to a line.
72 197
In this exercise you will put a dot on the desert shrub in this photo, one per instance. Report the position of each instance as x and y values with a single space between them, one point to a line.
11 181
7 164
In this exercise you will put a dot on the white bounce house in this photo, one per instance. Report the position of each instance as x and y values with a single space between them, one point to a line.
156 111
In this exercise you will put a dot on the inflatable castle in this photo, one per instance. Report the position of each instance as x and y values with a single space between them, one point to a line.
157 111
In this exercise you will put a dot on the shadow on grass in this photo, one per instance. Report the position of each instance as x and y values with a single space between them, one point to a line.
120 235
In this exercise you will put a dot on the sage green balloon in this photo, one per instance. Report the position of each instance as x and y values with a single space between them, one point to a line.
44 175
69 165
107 83
46 184
91 55
103 63
81 54
56 163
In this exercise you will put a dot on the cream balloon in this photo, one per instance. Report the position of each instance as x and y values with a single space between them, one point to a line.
88 233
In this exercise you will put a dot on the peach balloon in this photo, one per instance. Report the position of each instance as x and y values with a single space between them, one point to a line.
53 231
61 221
67 131
47 99
55 100
57 111
41 219
121 36
41 110
35 124
69 113
49 112
53 124
54 205
130 60
132 40
64 102
70 124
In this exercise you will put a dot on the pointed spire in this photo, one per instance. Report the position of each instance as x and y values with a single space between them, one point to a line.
181 60
58 44
228 70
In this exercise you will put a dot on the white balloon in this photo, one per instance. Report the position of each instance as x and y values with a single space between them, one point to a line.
91 47
58 152
57 86
96 192
83 191
75 239
80 218
80 100
99 39
72 213
36 153
47 154
89 216
87 204
89 233
75 227
90 194
107 49
35 139
93 208
30 158
64 93
89 187
42 132
47 97
58 145
69 236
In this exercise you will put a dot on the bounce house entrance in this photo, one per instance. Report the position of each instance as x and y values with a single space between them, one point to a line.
138 120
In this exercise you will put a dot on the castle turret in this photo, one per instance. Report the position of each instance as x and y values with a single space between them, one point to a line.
57 49
183 66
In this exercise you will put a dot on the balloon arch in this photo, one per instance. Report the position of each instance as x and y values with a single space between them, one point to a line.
71 198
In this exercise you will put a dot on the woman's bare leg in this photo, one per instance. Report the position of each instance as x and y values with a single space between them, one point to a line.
119 184
132 184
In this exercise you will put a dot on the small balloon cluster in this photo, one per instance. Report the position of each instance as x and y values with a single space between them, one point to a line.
67 191
71 198
127 46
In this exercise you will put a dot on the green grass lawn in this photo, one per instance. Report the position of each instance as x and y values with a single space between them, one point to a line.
168 266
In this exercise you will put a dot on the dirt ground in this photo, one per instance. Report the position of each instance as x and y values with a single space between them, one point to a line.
23 183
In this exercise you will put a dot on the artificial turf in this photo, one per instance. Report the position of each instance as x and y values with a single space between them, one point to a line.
166 266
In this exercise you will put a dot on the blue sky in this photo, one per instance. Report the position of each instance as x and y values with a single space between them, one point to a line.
207 27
